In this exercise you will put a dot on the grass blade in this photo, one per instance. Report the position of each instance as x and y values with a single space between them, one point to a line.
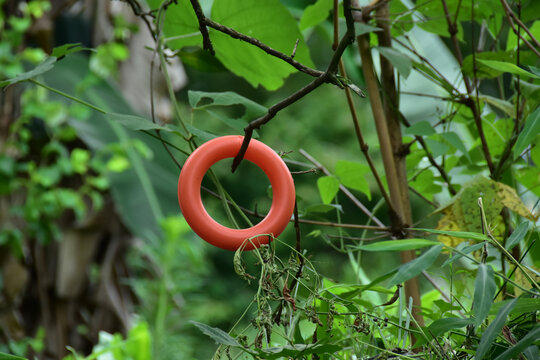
493 330
484 291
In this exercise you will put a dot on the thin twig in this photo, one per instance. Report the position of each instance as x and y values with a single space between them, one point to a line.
414 191
207 43
272 111
346 191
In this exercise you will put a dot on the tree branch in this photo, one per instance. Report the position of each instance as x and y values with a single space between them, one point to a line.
207 43
511 18
327 76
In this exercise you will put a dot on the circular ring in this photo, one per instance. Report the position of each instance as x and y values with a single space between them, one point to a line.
189 193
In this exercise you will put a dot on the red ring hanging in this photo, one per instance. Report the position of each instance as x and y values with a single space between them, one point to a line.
189 193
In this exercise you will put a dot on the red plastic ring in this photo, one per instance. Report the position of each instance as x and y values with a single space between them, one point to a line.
189 193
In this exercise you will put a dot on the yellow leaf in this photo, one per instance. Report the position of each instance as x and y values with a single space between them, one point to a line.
511 200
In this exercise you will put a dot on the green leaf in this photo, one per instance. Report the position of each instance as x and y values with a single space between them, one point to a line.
139 342
508 68
506 106
518 235
441 326
529 132
328 188
200 100
218 335
453 139
322 208
532 353
483 71
271 23
79 160
458 234
437 148
412 268
493 330
66 49
181 27
316 13
4 356
296 351
484 292
401 62
363 28
421 128
42 68
523 305
353 176
134 122
465 250
532 336
398 245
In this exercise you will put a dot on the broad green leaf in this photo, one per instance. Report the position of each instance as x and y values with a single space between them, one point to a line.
400 61
425 184
201 100
66 49
437 148
271 23
465 250
328 188
483 71
518 235
532 353
532 336
218 335
353 175
506 106
411 269
484 292
453 139
493 330
398 245
134 122
4 356
441 326
181 27
523 305
296 351
508 68
535 70
421 128
529 132
316 13
42 68
458 234
363 28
